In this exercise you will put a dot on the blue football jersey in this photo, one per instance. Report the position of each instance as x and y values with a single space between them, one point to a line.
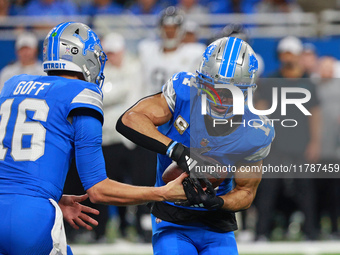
36 137
249 142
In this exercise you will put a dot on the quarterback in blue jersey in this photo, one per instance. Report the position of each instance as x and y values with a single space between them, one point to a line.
45 122
172 124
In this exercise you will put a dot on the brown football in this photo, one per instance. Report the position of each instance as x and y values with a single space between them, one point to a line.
173 171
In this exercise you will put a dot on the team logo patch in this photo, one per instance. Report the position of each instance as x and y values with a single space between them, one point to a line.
91 41
180 124
253 65
74 50
207 53
204 142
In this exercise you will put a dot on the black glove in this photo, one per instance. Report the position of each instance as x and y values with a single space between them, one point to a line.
187 159
197 197
181 154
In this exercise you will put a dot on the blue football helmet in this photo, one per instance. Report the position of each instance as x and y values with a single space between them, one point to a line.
72 46
226 61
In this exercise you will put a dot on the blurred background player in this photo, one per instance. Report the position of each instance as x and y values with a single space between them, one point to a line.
45 122
171 122
122 87
285 150
309 60
329 93
26 47
161 58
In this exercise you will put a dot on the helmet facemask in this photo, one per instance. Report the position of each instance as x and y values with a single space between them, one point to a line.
102 58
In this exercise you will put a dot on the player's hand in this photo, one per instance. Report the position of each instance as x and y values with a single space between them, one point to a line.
174 190
187 159
181 154
74 212
197 197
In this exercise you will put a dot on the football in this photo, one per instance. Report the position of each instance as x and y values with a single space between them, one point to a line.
173 171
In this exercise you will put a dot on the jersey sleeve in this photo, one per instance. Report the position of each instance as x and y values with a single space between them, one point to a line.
88 151
177 88
88 97
170 94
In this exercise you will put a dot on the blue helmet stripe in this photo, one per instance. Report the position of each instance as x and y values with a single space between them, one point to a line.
234 57
225 61
49 46
50 42
55 46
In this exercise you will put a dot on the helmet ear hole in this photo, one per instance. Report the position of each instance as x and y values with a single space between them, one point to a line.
90 63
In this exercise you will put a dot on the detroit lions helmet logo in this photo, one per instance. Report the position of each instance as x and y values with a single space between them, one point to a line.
207 53
91 41
253 65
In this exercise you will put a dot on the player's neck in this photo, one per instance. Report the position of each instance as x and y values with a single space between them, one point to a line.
69 77
75 76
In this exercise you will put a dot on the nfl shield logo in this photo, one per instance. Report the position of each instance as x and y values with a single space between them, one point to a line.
204 142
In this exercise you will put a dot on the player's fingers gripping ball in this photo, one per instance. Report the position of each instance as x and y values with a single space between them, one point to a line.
197 197
194 163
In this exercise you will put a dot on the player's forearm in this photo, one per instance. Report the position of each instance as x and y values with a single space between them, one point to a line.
115 193
139 123
238 199
242 196
143 125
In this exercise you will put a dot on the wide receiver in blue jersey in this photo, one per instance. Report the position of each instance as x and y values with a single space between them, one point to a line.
172 124
45 122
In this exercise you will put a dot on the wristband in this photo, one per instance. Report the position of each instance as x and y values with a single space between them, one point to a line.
170 148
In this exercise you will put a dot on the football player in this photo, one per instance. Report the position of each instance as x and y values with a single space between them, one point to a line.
45 122
205 224
167 55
